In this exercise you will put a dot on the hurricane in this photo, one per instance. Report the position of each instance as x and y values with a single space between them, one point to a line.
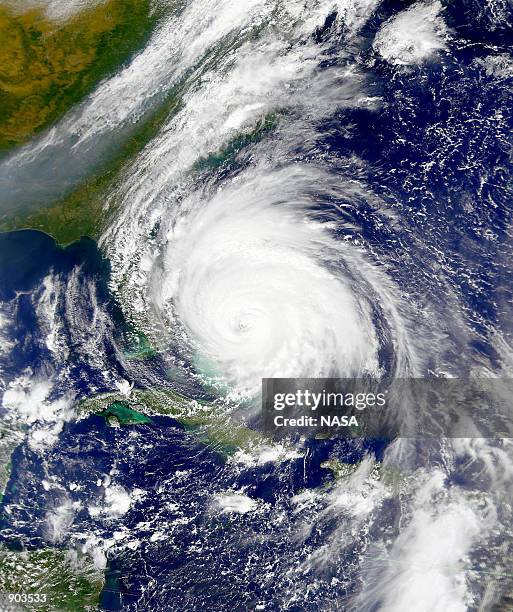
262 189
256 288
251 273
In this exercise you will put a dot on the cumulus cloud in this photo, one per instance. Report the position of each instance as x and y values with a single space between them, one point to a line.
413 35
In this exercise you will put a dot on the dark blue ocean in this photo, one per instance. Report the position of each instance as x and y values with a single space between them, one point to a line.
439 153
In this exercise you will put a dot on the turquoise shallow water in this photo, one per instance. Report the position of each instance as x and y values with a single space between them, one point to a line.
355 218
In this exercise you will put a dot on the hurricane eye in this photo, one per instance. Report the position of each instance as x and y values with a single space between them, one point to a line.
244 325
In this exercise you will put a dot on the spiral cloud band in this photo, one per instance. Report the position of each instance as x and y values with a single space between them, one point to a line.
260 289
304 189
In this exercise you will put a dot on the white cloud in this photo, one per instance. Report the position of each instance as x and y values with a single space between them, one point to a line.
413 35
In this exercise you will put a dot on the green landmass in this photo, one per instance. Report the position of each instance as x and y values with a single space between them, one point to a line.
106 36
227 153
46 67
82 212
49 67
10 437
209 423
339 469
69 581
